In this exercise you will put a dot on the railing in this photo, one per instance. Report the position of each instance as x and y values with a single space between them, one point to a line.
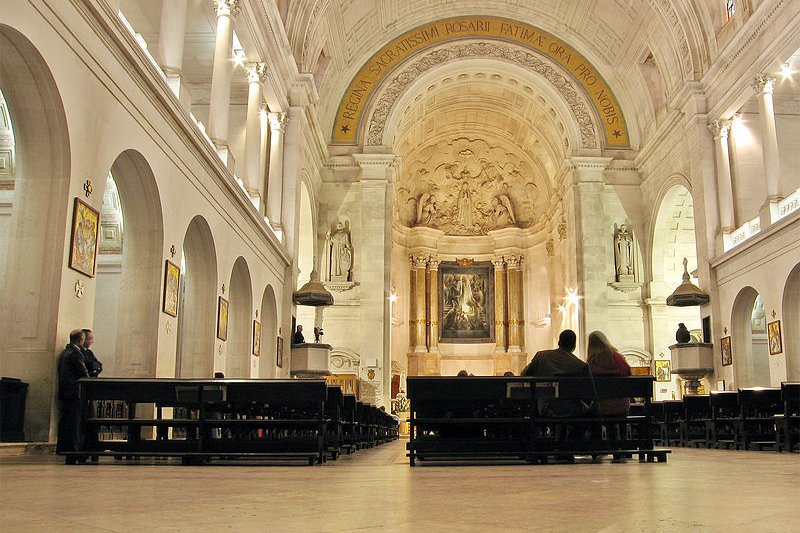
788 205
742 233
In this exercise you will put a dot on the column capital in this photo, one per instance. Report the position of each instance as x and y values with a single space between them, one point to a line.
278 121
498 262
418 260
513 261
434 262
229 8
719 128
764 84
256 72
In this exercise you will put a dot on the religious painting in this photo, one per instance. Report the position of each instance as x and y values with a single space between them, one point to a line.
725 349
222 319
83 245
172 276
256 338
466 303
279 359
774 336
663 370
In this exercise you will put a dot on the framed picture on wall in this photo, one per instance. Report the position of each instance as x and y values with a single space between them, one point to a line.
774 335
256 338
663 370
720 384
222 319
725 349
83 242
466 302
172 277
279 356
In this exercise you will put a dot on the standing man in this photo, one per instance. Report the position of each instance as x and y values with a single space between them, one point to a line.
559 362
298 336
93 366
71 368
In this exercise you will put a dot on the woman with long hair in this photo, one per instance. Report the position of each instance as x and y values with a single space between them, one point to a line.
605 360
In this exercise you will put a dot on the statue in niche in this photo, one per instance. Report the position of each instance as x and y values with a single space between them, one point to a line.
623 253
338 259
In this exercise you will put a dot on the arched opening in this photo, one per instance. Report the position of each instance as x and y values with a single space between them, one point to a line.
749 340
129 269
791 324
237 364
305 258
34 246
269 332
673 239
197 304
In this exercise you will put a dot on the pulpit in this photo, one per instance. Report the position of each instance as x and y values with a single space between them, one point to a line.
692 361
310 360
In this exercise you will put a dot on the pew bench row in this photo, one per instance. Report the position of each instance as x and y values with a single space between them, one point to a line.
199 420
468 418
750 418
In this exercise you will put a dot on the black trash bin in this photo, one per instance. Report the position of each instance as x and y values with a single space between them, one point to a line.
13 392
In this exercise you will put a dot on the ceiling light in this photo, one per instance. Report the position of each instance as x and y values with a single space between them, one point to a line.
239 57
786 70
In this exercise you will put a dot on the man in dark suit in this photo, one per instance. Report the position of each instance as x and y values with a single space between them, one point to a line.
93 365
298 336
559 362
71 368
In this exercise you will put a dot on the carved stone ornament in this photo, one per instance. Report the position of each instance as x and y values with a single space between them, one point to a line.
344 362
489 50
549 247
79 288
467 187
562 230
418 260
513 261
764 84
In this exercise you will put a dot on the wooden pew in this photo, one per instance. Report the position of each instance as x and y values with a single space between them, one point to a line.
787 424
350 428
334 421
696 420
673 417
724 418
757 409
497 417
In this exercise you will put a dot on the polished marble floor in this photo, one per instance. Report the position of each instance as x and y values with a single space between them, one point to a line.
376 490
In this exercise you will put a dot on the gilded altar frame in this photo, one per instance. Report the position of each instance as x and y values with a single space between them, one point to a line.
466 303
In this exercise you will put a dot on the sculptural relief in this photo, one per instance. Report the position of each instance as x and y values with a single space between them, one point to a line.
467 187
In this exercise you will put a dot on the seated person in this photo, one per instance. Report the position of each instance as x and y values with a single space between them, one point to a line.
559 362
605 360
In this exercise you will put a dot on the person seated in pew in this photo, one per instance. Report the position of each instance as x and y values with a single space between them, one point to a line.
559 362
462 374
605 360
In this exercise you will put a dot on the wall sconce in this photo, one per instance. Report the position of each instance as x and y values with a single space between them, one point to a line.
572 297
239 58
393 295
786 70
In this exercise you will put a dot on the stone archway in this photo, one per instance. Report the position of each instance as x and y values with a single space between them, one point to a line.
267 366
31 334
240 310
749 340
130 273
791 324
198 302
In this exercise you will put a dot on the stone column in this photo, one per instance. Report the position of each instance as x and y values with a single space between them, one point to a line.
277 126
591 239
377 176
170 42
763 86
419 262
719 129
513 279
263 159
412 304
219 105
256 74
290 184
500 318
433 311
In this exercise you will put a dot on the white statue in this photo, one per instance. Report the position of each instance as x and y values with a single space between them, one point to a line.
623 252
338 254
465 206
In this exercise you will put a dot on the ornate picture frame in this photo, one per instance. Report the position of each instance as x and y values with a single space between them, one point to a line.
774 337
222 319
84 238
172 278
663 370
256 338
725 350
466 303
279 353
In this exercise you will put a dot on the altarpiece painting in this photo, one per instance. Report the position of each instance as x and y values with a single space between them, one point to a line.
466 303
